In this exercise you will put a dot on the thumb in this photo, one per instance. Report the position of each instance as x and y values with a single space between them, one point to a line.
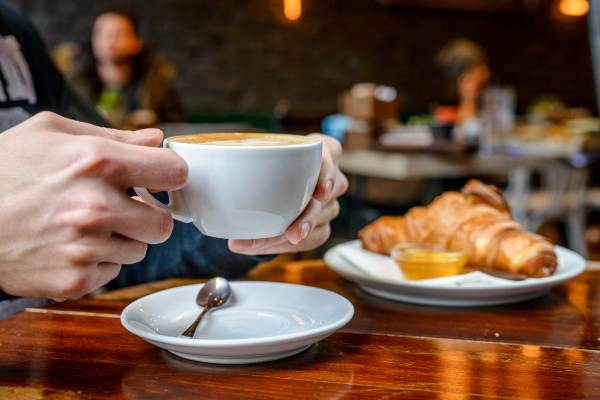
145 137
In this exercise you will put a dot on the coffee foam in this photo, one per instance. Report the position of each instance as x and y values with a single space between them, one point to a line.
243 139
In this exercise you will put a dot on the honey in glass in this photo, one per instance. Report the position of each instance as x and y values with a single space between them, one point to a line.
425 261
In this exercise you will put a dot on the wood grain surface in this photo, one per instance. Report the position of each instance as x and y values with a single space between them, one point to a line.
545 349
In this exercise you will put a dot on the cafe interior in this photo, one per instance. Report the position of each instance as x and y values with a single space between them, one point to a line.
444 109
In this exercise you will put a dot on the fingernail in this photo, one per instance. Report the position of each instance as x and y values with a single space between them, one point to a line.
328 187
237 245
245 244
148 132
305 230
256 243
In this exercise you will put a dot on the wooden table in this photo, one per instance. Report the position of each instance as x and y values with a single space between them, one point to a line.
543 349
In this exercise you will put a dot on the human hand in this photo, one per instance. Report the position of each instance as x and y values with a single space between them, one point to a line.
311 229
471 84
67 223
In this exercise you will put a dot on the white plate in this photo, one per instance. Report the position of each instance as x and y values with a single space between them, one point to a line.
264 321
379 276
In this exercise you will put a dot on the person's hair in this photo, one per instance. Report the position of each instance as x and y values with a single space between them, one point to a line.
122 11
458 56
86 59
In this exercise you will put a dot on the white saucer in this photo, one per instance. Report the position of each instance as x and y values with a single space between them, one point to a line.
264 321
379 276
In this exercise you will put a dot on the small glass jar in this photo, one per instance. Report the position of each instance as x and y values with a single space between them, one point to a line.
425 261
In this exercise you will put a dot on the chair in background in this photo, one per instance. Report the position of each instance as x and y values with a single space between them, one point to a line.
517 192
562 198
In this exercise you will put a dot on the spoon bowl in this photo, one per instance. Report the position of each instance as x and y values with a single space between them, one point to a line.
215 293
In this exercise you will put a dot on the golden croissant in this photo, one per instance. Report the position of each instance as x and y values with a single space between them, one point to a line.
476 220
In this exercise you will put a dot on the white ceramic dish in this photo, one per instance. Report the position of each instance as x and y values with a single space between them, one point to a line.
264 321
378 275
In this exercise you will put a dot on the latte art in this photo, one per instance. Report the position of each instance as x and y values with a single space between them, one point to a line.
243 139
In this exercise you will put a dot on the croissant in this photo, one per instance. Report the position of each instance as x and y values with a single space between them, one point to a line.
476 220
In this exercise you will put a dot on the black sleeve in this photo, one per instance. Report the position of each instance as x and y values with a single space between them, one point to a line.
52 91
4 296
74 106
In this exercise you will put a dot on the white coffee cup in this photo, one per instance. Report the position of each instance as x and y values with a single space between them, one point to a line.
246 190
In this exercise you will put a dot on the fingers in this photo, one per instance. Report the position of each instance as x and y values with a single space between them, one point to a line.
127 166
328 212
273 245
316 238
282 245
96 248
103 214
333 145
56 123
141 222
144 137
120 250
159 169
94 262
256 246
314 215
332 150
60 299
341 185
92 251
80 281
104 273
305 223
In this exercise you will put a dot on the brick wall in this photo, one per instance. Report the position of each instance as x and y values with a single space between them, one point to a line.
241 56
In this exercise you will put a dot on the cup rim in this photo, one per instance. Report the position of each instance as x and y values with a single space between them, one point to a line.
316 141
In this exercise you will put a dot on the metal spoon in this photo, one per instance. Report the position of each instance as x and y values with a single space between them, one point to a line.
215 293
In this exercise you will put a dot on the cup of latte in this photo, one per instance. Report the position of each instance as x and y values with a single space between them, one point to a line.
243 185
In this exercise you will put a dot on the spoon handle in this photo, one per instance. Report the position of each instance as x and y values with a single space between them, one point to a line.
191 331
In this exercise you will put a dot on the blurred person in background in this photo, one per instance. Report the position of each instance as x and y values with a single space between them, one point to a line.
465 65
129 84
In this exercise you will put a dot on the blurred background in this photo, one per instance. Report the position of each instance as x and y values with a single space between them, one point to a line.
244 57
424 94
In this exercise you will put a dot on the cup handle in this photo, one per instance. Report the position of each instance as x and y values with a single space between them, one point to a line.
176 206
